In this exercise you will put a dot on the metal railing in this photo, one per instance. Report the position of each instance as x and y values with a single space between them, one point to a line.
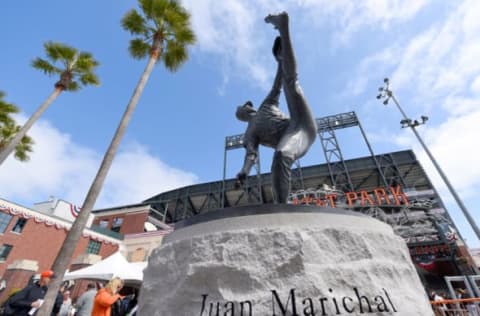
457 307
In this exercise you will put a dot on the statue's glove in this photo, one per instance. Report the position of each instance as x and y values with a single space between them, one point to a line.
241 176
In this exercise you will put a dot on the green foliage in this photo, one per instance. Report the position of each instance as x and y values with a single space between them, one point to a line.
75 68
174 55
89 79
73 86
6 109
139 49
58 52
134 22
85 63
160 27
45 66
8 129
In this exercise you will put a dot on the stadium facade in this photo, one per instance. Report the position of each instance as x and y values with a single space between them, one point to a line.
392 187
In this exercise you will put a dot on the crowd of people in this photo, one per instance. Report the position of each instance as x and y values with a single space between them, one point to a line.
97 300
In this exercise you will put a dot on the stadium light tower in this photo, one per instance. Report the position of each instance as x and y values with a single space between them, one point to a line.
386 94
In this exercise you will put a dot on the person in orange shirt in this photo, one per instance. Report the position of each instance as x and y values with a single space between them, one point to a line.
102 305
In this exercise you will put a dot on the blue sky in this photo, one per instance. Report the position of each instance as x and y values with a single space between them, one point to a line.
429 49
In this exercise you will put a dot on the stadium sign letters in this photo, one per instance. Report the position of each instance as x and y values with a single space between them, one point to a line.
281 305
430 250
376 197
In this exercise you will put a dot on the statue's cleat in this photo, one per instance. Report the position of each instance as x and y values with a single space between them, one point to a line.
277 20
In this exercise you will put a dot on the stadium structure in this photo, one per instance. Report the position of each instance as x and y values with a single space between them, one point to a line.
391 187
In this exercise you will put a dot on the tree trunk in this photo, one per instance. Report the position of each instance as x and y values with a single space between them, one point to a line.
69 245
23 131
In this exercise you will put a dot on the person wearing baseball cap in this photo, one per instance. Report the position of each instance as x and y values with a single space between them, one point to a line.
30 298
47 274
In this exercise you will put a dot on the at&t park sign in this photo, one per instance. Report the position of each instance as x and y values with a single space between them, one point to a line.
377 197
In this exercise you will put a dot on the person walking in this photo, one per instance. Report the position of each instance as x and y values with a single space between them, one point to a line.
105 297
66 307
27 301
84 303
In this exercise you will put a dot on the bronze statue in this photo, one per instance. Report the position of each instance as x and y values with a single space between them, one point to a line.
290 137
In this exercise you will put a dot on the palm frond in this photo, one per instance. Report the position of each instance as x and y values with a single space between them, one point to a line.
133 22
7 132
89 78
178 24
84 63
174 56
73 86
185 36
5 111
139 49
159 7
6 107
175 13
60 52
45 66
169 22
24 148
147 8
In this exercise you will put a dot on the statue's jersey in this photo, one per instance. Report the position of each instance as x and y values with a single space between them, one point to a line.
266 128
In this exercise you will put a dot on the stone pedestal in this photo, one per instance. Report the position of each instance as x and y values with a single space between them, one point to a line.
282 260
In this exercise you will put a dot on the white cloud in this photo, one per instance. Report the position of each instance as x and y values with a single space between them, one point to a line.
437 67
136 175
235 30
372 67
475 86
56 166
229 29
443 60
461 105
59 167
453 143
348 17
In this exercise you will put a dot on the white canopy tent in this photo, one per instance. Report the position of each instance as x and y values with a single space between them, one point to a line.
113 266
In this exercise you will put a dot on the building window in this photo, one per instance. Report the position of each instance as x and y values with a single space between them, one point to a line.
4 221
4 251
103 223
93 247
117 224
19 225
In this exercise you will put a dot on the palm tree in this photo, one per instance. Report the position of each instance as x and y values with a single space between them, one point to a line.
7 132
76 70
8 129
162 32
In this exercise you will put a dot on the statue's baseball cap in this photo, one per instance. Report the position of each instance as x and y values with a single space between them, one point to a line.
47 274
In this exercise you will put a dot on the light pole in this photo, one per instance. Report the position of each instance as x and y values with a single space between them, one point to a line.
386 94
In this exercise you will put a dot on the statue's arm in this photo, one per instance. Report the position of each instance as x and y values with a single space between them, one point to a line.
251 155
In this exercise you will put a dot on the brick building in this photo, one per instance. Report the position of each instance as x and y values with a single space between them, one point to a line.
142 228
30 240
